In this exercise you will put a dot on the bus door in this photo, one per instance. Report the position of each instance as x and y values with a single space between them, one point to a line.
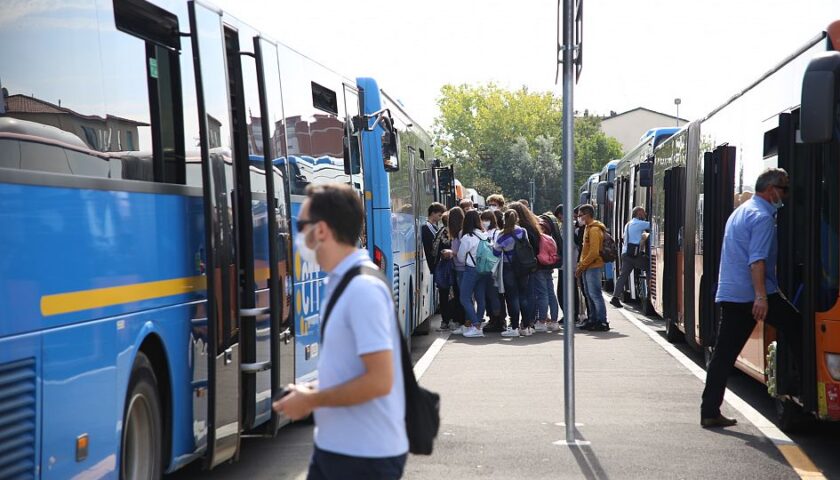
718 198
221 262
804 224
674 190
445 182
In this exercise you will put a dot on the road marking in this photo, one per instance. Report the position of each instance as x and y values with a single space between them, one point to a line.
426 360
798 460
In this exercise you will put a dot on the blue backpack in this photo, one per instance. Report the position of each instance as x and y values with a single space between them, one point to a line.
444 273
485 260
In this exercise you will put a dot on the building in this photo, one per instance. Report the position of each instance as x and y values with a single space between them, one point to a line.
628 127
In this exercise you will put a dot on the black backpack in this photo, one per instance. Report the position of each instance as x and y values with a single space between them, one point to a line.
609 250
524 259
422 407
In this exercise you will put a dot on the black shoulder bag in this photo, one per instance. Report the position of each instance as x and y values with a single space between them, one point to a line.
422 407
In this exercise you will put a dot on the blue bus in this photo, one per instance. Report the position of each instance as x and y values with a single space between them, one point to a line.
603 199
631 187
153 299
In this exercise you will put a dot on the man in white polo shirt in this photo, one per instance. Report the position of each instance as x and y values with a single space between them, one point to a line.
359 404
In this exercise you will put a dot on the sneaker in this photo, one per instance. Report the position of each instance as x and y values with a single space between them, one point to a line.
511 332
444 327
615 302
540 327
459 331
600 327
528 331
553 326
473 332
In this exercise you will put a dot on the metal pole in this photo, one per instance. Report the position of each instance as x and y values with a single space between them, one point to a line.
568 220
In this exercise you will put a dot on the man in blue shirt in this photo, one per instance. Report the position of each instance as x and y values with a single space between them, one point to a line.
631 252
748 291
359 404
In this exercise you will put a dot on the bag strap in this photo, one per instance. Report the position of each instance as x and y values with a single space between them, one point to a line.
409 381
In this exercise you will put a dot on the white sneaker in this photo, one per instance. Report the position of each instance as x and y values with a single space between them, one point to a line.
541 327
459 330
553 326
528 331
511 332
473 332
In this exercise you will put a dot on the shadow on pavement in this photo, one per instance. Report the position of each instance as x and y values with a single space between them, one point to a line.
587 460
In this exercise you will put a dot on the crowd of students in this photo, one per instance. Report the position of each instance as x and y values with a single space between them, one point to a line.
500 262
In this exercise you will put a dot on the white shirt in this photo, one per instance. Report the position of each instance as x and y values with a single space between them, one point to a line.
469 247
362 321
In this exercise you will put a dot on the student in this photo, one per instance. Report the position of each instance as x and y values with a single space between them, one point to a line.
516 286
359 403
591 269
528 302
543 278
456 223
493 298
472 284
442 251
495 202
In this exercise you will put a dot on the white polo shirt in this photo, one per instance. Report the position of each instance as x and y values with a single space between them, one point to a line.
362 321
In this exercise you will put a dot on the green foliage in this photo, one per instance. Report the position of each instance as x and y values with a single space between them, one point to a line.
503 139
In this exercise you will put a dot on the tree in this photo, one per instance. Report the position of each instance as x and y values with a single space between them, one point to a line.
504 138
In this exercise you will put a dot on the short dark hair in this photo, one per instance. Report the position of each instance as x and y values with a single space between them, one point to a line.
464 203
340 207
558 210
472 222
436 207
587 209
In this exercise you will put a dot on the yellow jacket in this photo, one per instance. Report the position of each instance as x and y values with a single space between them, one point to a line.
590 256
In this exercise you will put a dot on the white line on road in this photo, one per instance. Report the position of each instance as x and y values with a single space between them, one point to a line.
426 360
794 455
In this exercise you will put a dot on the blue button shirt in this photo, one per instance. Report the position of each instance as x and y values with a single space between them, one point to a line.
633 232
361 322
750 236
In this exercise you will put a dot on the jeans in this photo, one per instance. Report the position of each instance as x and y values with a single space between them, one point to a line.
594 296
545 295
736 326
491 296
473 284
333 466
446 312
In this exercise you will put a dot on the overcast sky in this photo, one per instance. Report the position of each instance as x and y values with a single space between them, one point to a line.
636 53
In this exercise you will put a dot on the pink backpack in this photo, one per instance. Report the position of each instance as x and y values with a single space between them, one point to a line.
548 251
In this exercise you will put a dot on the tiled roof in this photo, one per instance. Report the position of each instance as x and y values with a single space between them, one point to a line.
23 104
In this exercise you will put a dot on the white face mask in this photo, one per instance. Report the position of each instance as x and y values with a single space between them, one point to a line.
777 203
493 208
307 254
486 225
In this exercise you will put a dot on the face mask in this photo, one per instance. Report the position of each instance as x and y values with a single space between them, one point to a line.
778 203
486 225
493 208
306 254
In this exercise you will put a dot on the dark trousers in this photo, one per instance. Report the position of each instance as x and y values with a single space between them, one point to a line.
445 307
561 281
333 466
736 325
628 264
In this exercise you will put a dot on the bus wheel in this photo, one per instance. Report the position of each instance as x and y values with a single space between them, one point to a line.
140 452
789 415
672 333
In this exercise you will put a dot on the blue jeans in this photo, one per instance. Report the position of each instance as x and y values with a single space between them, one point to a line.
473 284
517 293
545 295
594 295
333 466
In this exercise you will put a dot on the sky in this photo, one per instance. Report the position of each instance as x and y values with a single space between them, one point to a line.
635 53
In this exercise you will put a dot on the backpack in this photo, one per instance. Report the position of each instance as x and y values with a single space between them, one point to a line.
608 252
548 251
556 235
485 260
444 274
422 407
524 260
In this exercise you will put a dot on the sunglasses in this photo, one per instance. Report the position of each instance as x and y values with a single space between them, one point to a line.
301 224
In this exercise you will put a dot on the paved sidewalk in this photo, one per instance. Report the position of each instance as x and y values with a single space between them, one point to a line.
502 404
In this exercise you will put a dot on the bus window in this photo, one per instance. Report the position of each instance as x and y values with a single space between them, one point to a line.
44 158
9 153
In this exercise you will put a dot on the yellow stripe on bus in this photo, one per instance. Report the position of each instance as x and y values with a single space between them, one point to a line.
106 297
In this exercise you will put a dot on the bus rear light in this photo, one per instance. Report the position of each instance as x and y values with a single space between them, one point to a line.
379 258
832 363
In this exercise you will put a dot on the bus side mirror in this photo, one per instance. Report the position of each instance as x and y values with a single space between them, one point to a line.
390 147
819 97
601 193
646 174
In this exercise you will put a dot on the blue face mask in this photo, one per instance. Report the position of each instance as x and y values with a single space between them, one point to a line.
777 203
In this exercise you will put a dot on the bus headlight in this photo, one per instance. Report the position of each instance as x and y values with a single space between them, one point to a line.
832 362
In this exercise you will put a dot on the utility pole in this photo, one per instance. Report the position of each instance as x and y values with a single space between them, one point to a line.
532 196
677 102
572 60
